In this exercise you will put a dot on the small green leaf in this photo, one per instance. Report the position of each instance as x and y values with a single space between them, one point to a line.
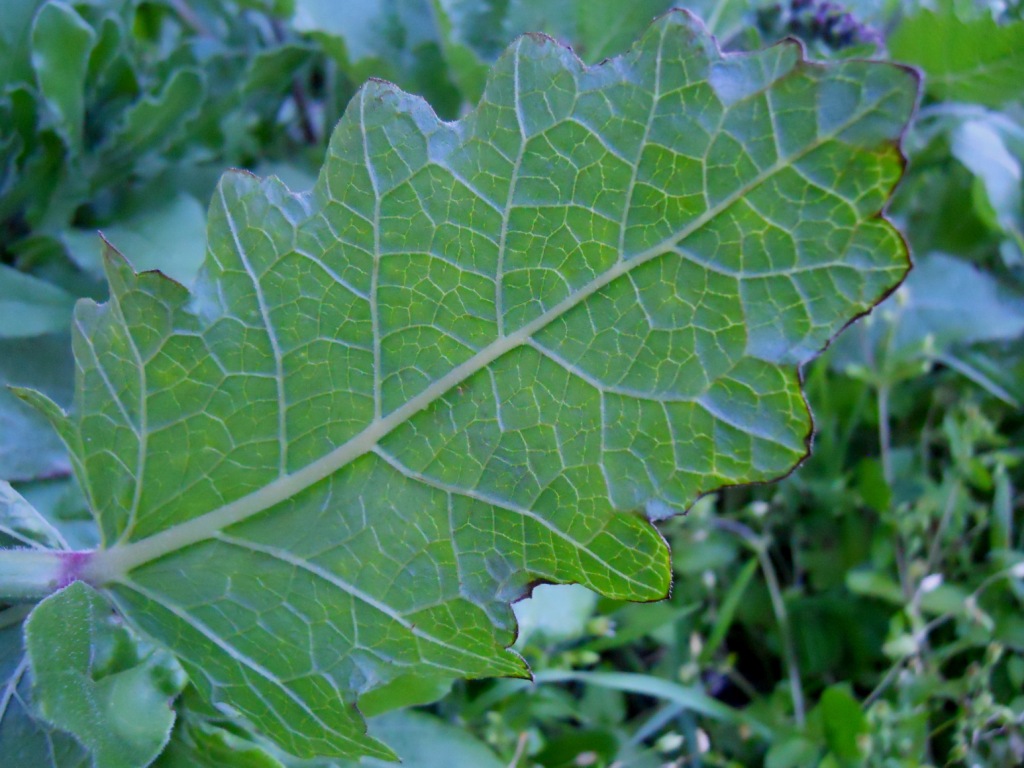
61 43
28 449
203 745
124 717
426 742
396 40
872 486
30 306
25 740
977 60
979 145
170 236
22 526
874 584
690 698
727 610
795 752
272 71
15 42
154 121
410 690
844 724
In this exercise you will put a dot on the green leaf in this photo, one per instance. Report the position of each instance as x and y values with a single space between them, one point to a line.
975 60
25 740
16 43
22 526
874 584
61 43
30 306
727 610
271 72
206 738
470 358
124 717
945 303
844 724
409 690
28 449
692 699
203 745
155 121
473 34
215 748
169 236
427 742
596 29
555 612
392 39
62 503
419 740
979 145
795 752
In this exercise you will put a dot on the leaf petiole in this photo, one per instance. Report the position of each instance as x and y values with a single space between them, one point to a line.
31 574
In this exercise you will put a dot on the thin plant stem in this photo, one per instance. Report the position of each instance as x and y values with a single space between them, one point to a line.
298 91
771 578
947 513
884 683
884 433
520 749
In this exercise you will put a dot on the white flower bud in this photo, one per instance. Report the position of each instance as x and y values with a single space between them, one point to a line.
930 583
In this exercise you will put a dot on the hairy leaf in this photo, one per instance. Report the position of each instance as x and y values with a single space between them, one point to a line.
76 687
26 739
124 718
471 359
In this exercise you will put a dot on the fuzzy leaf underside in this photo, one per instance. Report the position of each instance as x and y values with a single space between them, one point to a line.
26 739
472 358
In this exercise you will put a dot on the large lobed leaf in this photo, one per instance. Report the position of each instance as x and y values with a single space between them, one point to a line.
477 355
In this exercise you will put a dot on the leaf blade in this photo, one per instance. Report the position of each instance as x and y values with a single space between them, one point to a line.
467 358
123 717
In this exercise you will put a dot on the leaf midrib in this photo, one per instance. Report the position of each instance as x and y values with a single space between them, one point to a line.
113 564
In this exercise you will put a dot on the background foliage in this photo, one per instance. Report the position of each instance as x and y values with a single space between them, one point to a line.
866 611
